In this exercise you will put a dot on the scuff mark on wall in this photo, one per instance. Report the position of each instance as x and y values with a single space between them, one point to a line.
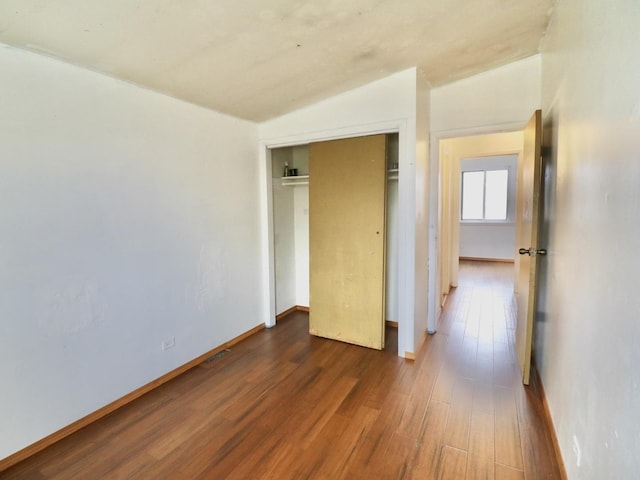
212 278
69 305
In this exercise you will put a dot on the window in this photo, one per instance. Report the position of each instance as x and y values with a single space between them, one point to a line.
484 195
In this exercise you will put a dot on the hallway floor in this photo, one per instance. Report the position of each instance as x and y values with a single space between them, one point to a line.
285 405
491 414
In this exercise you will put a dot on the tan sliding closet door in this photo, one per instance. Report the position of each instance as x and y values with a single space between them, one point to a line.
347 199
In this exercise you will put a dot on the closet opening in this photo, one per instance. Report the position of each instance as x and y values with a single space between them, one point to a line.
290 183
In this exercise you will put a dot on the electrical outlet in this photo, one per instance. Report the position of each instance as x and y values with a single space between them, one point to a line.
168 343
576 451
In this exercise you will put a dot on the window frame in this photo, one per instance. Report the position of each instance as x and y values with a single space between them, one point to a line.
509 219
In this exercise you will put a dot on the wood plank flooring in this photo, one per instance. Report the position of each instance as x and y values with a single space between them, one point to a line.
285 405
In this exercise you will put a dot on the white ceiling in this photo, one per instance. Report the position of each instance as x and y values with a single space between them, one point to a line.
258 59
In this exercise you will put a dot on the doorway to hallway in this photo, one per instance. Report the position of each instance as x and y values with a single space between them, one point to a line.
463 238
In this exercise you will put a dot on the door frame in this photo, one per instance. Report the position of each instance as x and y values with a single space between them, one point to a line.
406 221
436 203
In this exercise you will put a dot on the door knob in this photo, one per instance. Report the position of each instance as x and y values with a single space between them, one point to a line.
532 252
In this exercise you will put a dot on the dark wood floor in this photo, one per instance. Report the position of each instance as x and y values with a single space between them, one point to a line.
284 405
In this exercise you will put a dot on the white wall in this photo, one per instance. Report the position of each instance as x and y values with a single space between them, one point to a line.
301 221
387 105
493 240
283 232
421 213
587 334
392 98
391 271
502 99
126 218
392 227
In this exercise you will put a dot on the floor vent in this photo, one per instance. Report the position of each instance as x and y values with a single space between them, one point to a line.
217 355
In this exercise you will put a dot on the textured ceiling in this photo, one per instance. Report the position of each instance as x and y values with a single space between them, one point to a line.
258 59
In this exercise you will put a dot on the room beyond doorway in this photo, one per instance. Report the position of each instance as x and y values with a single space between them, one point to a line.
452 153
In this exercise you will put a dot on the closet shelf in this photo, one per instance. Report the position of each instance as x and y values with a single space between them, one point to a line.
392 175
295 180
